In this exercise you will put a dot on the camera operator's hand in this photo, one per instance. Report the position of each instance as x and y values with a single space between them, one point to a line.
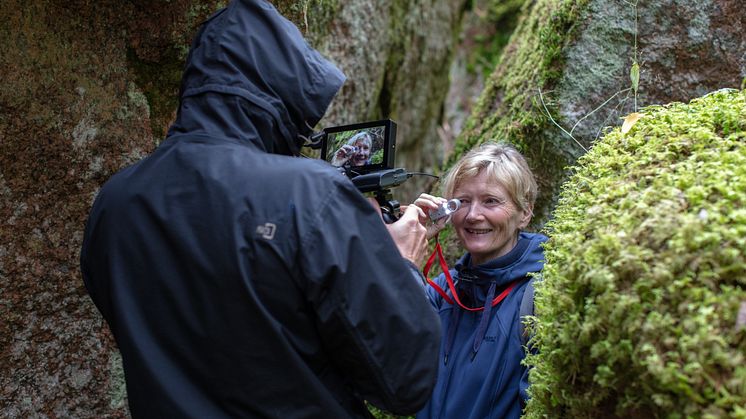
410 235
429 203
343 155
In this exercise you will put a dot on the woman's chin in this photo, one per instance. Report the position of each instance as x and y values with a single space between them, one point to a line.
476 241
476 248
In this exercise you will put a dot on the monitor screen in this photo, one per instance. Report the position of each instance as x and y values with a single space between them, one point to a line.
360 147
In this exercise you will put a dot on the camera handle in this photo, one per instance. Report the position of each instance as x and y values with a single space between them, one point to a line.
390 210
380 183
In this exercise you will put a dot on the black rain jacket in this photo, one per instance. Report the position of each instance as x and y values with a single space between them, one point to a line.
239 282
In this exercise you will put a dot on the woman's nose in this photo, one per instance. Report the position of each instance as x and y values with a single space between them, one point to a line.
474 212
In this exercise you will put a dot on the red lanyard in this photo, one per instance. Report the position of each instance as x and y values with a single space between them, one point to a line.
449 280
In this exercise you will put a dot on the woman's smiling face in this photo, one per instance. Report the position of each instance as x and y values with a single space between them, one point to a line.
488 221
362 155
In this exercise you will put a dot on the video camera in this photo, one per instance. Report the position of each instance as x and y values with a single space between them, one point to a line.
365 153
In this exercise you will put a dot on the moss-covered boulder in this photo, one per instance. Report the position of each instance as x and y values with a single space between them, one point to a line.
642 311
579 54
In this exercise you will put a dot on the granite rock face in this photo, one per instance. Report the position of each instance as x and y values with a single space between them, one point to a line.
71 114
90 87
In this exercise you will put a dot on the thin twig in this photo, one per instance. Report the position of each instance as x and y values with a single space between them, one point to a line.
541 97
305 15
599 107
613 111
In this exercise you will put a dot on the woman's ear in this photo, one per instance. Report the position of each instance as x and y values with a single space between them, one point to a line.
526 216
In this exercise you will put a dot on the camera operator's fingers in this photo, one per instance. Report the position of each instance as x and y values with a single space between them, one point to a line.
337 162
410 235
417 210
421 214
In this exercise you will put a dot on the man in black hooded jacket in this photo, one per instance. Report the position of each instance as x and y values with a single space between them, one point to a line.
240 281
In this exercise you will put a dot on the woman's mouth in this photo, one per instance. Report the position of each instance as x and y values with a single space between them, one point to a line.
478 231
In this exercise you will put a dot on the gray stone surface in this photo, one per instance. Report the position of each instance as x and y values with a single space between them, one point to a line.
89 87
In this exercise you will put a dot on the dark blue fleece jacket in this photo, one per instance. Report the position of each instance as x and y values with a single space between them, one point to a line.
480 373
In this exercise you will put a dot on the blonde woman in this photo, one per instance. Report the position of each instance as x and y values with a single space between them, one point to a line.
480 374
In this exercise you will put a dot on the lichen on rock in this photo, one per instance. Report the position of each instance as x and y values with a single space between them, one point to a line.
646 271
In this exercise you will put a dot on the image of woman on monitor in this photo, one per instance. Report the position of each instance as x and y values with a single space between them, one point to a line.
355 152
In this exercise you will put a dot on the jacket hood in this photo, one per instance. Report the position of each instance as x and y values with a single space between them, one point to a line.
251 75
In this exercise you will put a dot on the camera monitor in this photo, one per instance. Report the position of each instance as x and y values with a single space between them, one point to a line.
361 148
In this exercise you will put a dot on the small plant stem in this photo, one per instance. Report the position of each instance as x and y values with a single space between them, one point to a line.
599 107
541 97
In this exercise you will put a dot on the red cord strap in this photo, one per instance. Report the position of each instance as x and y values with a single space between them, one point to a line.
444 267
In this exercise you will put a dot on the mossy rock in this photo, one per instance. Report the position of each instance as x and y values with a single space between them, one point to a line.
641 311
578 54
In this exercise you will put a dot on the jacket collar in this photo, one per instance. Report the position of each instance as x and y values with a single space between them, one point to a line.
525 257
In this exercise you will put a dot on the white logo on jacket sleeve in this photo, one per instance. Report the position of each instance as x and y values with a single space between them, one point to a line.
267 231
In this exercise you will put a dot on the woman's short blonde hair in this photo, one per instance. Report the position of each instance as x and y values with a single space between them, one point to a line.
505 165
365 136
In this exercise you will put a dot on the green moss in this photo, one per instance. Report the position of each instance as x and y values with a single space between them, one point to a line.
646 271
199 11
496 21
